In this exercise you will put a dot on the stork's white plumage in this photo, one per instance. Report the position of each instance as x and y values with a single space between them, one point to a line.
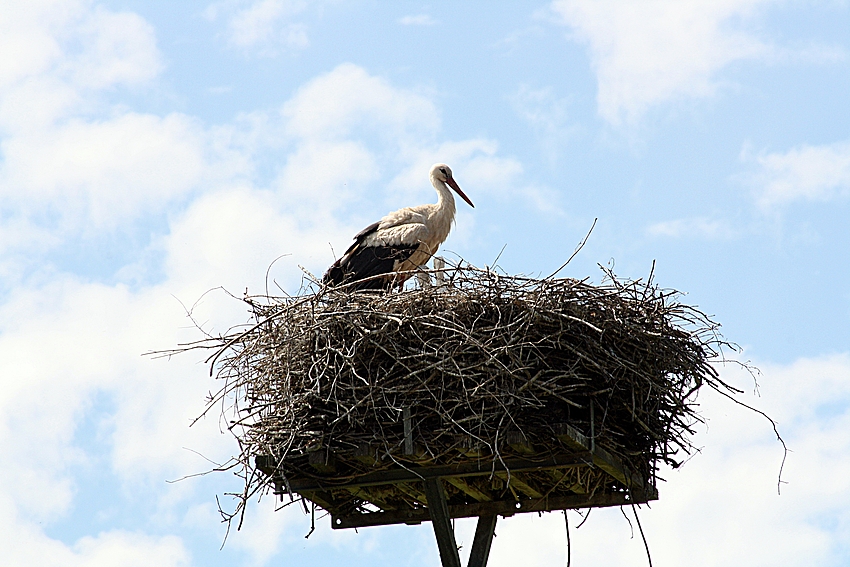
400 242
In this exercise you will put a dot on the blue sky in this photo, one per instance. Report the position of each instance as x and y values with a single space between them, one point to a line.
152 151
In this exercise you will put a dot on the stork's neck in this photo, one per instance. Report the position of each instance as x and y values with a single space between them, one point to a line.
442 215
445 200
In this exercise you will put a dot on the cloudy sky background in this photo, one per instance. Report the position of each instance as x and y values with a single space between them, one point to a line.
152 150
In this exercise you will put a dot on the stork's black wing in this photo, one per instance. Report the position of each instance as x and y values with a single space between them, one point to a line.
361 262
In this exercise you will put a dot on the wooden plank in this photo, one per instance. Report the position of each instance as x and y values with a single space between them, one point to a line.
468 489
609 463
557 475
519 443
502 508
519 484
323 460
366 454
419 473
482 541
265 464
438 510
372 496
469 446
411 490
322 499
572 437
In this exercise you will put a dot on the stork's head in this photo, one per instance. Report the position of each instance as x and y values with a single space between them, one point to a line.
443 173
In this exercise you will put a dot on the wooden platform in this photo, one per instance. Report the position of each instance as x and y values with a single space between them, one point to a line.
364 488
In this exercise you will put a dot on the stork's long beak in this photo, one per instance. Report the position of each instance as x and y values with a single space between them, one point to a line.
453 184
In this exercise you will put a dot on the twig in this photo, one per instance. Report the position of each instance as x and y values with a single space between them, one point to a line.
575 252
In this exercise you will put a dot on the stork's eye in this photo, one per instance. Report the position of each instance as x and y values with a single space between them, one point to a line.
443 169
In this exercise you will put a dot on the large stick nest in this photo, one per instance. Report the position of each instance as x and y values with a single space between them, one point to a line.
477 360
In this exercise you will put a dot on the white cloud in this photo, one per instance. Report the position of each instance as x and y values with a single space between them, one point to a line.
58 170
92 48
18 233
101 173
67 340
481 173
26 30
131 550
645 53
333 116
333 170
64 53
68 159
24 544
474 162
264 24
61 165
333 105
229 238
117 48
699 227
350 129
547 116
417 20
813 173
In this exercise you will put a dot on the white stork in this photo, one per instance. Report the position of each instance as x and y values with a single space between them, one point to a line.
400 242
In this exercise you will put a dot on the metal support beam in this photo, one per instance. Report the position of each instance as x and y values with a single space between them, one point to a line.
438 508
481 542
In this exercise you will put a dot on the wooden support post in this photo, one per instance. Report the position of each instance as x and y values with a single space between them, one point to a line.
438 508
592 428
481 542
408 432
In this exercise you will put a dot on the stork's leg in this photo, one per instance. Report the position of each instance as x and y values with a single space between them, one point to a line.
399 278
439 510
